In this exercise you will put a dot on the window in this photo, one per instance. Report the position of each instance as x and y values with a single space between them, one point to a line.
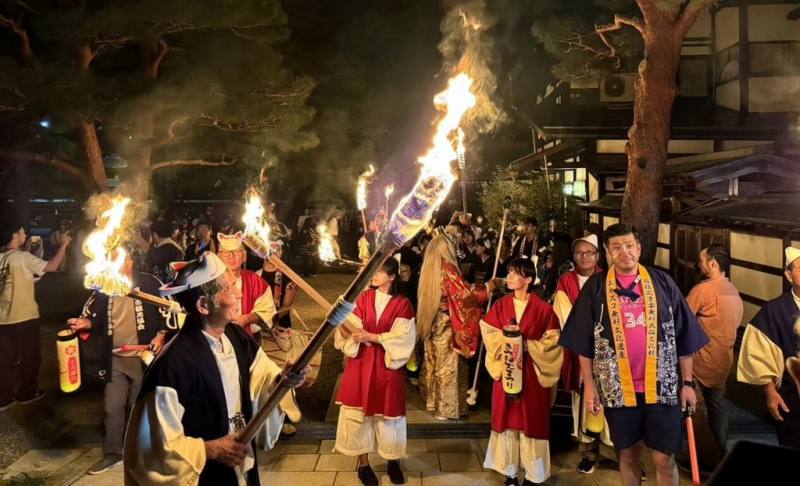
728 64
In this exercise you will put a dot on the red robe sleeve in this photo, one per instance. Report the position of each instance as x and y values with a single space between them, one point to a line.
465 304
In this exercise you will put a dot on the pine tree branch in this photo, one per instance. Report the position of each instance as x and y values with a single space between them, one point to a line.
619 22
203 162
50 160
23 102
171 135
240 126
15 26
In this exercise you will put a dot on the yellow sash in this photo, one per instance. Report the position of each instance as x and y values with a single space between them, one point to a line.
618 331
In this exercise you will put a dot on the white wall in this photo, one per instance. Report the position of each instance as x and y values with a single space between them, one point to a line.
702 26
757 249
728 95
768 23
727 28
774 94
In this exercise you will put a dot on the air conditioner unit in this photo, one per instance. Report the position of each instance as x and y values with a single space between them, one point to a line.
617 89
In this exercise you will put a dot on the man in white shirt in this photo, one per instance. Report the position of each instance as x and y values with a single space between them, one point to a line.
19 312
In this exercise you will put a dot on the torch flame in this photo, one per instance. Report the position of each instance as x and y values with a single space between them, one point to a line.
454 101
389 190
105 256
436 176
460 149
361 189
256 229
325 247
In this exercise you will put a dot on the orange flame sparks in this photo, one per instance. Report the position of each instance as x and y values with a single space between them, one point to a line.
103 272
454 101
325 248
361 188
256 228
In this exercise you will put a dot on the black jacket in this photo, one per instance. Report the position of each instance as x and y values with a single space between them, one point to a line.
96 351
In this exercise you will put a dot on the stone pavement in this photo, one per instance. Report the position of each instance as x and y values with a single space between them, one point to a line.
430 462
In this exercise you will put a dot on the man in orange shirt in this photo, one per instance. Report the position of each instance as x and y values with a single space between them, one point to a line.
718 307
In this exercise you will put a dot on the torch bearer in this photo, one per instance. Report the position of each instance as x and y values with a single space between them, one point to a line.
411 215
472 393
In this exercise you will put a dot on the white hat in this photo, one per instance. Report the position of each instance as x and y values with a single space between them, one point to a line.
792 254
591 239
194 273
230 242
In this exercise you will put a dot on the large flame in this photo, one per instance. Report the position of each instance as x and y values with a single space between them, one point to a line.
436 177
256 228
326 253
361 189
106 257
454 101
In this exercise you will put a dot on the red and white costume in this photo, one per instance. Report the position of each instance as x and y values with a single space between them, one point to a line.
521 428
372 395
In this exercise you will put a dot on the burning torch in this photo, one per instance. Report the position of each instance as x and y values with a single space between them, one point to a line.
388 193
412 214
361 193
106 258
462 166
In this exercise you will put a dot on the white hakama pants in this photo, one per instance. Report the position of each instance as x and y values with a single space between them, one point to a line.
511 450
357 434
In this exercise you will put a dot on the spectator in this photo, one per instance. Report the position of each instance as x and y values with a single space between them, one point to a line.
527 244
163 252
19 330
308 241
718 307
204 241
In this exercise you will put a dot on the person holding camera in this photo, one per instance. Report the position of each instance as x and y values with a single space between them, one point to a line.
19 313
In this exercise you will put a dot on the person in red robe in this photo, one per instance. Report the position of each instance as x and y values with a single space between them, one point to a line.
372 394
521 427
449 310
256 307
586 257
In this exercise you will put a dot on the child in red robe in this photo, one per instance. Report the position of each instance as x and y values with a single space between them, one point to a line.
521 427
372 395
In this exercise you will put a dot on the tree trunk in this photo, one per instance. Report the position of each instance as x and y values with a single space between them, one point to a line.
654 93
94 156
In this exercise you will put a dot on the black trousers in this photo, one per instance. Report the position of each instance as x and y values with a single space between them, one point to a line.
24 341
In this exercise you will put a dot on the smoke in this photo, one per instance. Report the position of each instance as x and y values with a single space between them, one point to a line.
468 46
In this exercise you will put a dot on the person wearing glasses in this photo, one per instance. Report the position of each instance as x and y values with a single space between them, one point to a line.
635 337
586 256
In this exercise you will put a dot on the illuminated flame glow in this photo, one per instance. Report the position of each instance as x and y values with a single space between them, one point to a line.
256 228
105 256
460 149
454 101
325 247
361 188
436 178
389 190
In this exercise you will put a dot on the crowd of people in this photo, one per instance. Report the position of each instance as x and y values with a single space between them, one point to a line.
587 316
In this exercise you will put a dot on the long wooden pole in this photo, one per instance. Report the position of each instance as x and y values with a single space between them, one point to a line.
472 393
316 342
308 289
